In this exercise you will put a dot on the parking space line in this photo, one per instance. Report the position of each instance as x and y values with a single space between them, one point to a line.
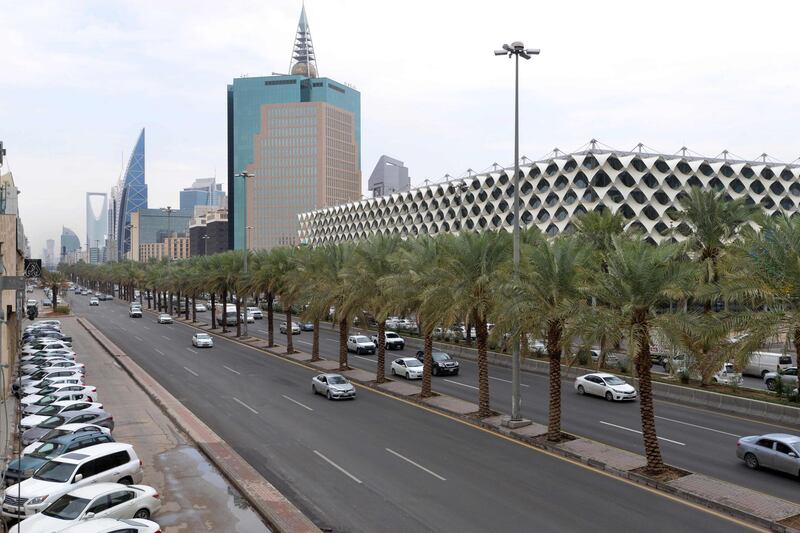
339 468
189 370
232 370
462 384
507 381
639 432
298 403
404 458
240 402
698 427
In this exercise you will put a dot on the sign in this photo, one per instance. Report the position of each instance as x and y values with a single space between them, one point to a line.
8 283
33 268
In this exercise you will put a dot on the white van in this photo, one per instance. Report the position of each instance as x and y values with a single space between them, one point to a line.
759 363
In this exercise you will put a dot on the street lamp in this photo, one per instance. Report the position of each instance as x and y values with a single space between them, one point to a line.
169 211
205 242
247 231
515 50
245 175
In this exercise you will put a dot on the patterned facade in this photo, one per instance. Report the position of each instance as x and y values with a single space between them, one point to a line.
171 248
643 187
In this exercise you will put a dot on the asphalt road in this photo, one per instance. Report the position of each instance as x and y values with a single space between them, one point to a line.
376 463
698 440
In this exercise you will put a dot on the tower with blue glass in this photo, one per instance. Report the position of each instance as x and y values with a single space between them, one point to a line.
294 145
132 196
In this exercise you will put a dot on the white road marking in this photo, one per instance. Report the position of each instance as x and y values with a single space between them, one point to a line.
304 342
165 337
232 370
639 432
189 370
146 327
507 381
158 351
138 338
434 474
298 403
699 427
339 468
240 402
191 350
366 359
462 384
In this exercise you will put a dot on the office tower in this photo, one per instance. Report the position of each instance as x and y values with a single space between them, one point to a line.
204 191
96 225
128 196
70 243
299 136
389 176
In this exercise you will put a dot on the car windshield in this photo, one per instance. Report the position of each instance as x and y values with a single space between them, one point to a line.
440 356
337 380
392 335
614 380
66 507
55 471
50 410
52 422
203 336
48 450
47 400
413 362
362 339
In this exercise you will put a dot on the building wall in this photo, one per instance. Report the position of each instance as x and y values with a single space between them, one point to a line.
217 236
170 248
154 224
197 243
12 236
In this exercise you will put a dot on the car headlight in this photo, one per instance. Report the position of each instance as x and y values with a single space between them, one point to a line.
37 500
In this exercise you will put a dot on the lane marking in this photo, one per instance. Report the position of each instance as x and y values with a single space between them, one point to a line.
404 458
507 381
232 370
164 336
304 342
699 427
189 370
240 402
639 432
366 359
138 338
158 351
462 384
339 468
146 327
191 350
298 403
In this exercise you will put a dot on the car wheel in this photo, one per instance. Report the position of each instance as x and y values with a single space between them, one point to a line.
393 372
609 396
407 374
751 461
435 371
358 351
313 389
771 384
329 395
581 390
142 513
125 481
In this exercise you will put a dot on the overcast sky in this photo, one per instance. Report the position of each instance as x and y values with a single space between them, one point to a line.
79 79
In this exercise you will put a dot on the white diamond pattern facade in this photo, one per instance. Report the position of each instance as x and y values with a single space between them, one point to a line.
643 187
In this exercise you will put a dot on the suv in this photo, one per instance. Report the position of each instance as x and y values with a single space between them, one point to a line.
94 301
111 461
442 363
392 341
360 344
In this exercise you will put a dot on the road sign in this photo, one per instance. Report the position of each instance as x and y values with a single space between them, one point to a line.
33 268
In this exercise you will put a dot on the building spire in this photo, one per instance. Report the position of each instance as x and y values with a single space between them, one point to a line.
304 62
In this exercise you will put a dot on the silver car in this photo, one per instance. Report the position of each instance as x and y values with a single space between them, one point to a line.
776 451
788 377
202 340
334 386
164 318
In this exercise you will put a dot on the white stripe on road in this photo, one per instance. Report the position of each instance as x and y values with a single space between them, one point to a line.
191 350
189 370
138 338
232 370
698 427
434 474
366 358
158 351
339 468
146 327
165 337
304 342
462 384
639 432
507 381
240 402
298 403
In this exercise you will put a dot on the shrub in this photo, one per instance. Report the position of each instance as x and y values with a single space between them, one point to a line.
62 309
684 376
583 356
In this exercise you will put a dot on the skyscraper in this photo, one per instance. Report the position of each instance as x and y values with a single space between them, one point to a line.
96 225
388 177
70 243
204 191
299 137
129 195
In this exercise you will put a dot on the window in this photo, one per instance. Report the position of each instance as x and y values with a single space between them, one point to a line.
121 497
281 82
99 505
783 448
765 443
90 468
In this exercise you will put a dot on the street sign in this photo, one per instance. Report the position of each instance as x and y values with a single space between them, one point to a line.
12 283
33 268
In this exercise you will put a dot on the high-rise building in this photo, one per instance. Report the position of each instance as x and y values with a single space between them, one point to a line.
49 255
299 137
208 233
154 225
70 243
128 196
388 177
204 191
96 225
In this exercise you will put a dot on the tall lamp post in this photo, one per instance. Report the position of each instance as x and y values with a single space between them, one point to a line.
247 231
516 50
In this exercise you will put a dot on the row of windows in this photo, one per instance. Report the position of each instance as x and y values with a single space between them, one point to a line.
293 132
293 111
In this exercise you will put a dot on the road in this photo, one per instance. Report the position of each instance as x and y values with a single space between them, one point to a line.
379 464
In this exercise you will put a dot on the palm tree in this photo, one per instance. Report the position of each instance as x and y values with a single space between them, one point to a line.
307 281
262 281
334 260
640 277
55 280
282 266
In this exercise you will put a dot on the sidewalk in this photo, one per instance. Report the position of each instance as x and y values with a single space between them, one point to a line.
194 496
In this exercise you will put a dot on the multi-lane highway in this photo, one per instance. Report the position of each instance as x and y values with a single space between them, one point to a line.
379 464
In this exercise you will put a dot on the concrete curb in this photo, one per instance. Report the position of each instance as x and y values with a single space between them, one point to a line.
279 513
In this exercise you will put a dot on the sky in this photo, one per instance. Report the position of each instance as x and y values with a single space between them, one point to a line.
79 79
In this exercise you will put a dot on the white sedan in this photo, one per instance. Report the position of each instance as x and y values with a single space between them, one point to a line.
202 340
99 500
408 367
164 318
295 328
334 386
200 308
605 385
112 525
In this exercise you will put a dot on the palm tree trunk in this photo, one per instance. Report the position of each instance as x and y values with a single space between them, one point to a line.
224 310
141 301
554 356
427 363
652 450
380 372
270 326
213 311
796 340
158 300
148 299
315 341
343 344
289 333
484 409
239 317
55 297
186 305
194 308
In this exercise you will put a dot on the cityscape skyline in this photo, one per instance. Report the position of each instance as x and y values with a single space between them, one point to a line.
621 96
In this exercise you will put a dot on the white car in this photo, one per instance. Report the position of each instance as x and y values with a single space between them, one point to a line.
408 367
248 317
164 318
392 341
200 308
66 429
56 408
60 353
52 364
360 344
608 386
101 500
295 328
202 340
45 383
41 375
333 386
94 301
256 312
45 345
33 403
112 525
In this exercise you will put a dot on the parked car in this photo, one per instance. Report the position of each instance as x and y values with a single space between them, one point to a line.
94 301
56 408
408 367
47 302
113 461
776 451
442 363
306 326
392 341
295 328
44 346
43 354
788 377
200 308
164 318
112 525
360 344
91 415
34 403
334 386
33 394
135 312
65 429
51 364
40 375
761 363
256 312
608 386
39 386
202 340
728 376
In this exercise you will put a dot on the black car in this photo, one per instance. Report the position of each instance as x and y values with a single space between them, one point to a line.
442 363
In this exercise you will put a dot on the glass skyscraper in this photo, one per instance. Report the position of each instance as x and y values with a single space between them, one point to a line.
299 137
128 196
